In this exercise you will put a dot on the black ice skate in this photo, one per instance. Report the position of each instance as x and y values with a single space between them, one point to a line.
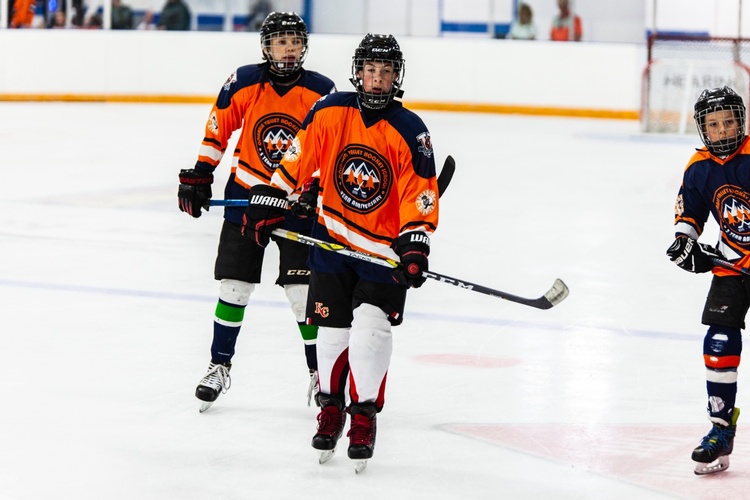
713 453
331 420
362 434
215 382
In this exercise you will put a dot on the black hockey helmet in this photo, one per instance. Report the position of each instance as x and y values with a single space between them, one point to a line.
283 23
378 48
720 99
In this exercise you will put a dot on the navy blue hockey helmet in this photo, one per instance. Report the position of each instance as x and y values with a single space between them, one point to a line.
278 24
378 48
720 99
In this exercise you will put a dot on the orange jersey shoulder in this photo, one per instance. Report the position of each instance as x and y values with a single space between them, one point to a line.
269 116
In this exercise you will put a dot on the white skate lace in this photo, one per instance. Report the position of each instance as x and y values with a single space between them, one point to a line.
217 378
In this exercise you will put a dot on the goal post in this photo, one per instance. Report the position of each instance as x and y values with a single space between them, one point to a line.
679 68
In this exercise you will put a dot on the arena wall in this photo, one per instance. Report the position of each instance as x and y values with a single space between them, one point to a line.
451 73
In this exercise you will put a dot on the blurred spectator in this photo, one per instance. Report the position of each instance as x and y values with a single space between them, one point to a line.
22 13
523 27
258 13
122 16
563 22
94 22
147 23
58 20
175 16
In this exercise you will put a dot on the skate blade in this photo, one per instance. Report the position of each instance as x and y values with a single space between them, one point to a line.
718 465
360 466
205 406
325 455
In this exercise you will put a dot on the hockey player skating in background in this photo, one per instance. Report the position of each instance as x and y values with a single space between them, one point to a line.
717 182
268 101
374 171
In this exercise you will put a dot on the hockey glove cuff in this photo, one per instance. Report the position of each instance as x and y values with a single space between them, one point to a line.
194 192
412 250
692 256
264 213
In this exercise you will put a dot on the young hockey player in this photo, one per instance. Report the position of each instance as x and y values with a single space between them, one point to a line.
374 174
717 182
268 101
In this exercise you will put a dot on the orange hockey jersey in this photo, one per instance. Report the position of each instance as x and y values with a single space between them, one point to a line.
377 178
270 116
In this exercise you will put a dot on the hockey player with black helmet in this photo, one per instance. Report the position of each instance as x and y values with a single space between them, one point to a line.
716 182
377 192
268 101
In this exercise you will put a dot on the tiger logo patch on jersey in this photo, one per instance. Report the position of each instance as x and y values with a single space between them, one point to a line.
272 136
426 201
732 203
363 178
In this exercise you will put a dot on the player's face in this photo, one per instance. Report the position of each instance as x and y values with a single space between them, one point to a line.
286 47
377 77
721 125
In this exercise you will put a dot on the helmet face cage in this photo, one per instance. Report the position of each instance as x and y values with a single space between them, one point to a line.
720 99
378 49
279 24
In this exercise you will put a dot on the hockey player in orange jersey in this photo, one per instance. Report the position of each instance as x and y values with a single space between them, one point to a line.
373 171
268 102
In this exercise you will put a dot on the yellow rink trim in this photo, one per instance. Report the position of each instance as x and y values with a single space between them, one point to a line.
415 105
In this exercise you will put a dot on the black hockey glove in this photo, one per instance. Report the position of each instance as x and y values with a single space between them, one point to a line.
305 205
264 213
692 256
194 191
412 249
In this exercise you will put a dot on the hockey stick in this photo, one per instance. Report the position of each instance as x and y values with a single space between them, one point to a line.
728 265
446 174
552 297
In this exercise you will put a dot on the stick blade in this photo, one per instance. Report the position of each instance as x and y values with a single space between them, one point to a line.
557 293
446 174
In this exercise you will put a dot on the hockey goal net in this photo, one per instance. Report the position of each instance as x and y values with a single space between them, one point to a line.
679 68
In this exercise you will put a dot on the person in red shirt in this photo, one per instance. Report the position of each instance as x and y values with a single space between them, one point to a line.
373 174
268 101
566 26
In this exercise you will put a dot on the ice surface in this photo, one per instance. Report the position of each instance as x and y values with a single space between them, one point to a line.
107 301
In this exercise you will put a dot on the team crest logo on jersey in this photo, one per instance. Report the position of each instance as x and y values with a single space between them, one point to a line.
213 124
426 201
732 205
321 310
363 178
232 78
272 136
425 144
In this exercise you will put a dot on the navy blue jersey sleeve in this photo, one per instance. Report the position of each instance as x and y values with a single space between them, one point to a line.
243 77
416 135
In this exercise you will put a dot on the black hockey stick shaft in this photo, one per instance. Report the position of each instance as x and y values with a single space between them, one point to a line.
446 174
556 294
728 265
